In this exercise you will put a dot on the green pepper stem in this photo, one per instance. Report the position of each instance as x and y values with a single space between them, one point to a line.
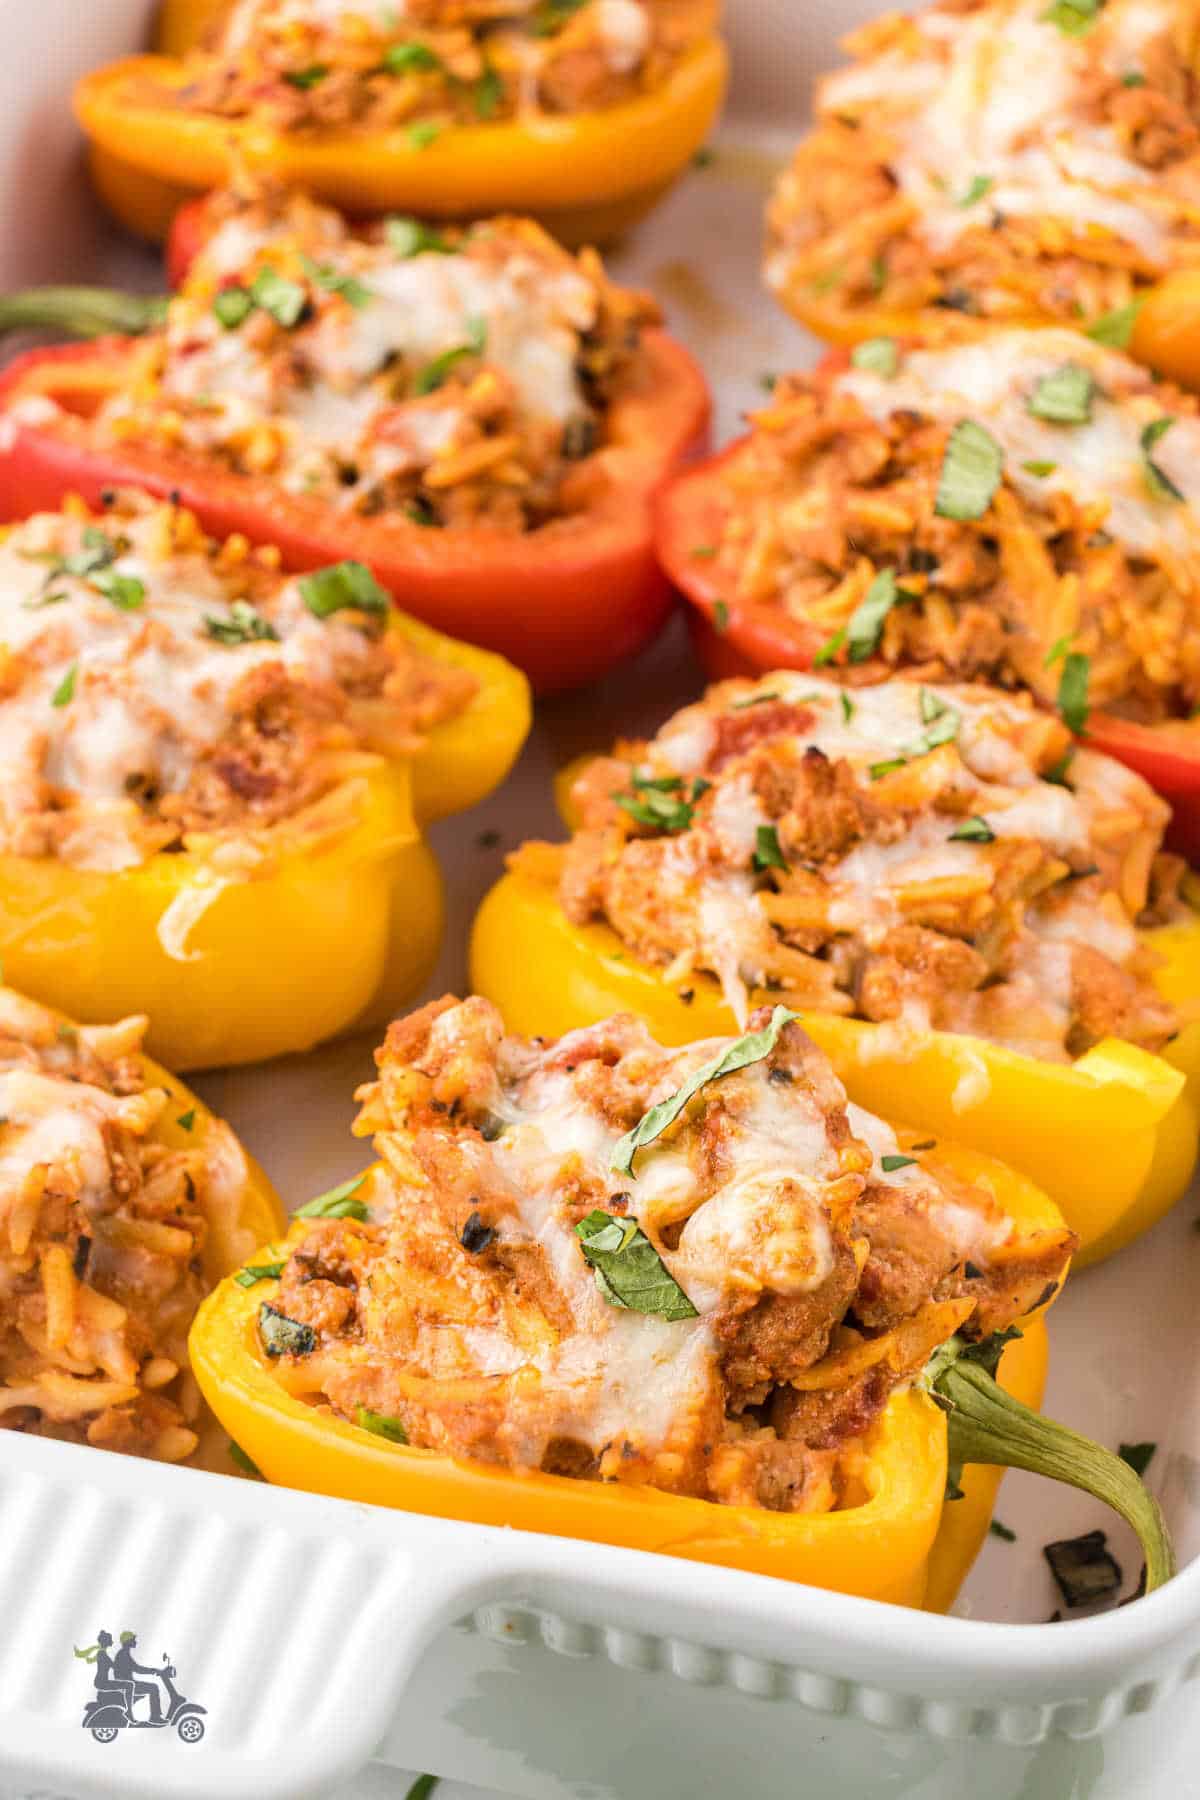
987 1425
81 312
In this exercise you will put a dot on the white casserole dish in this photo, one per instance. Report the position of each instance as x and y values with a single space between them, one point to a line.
320 1635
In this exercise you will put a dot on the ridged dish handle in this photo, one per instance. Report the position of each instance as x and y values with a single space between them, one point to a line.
294 1625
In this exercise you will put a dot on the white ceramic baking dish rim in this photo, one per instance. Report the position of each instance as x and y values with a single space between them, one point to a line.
193 1556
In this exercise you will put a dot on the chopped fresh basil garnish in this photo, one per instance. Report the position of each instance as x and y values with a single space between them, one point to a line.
333 281
1083 1568
629 1270
878 770
865 625
283 300
971 471
424 133
943 725
1073 691
1160 484
830 648
126 592
282 1336
890 1164
233 306
243 626
338 1203
398 59
186 1120
1041 469
973 831
1058 649
1133 78
253 1273
720 617
306 78
1115 328
380 1425
343 587
881 356
1003 1532
767 854
64 693
703 552
847 707
976 188
1064 397
1073 17
435 374
1138 1456
659 801
412 237
751 1048
487 95
552 15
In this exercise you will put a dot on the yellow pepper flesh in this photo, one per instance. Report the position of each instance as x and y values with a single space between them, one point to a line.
1135 1111
884 1547
586 176
238 968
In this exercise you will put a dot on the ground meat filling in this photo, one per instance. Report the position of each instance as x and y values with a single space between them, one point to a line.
448 376
461 1314
105 1234
941 178
159 689
1086 544
337 65
934 857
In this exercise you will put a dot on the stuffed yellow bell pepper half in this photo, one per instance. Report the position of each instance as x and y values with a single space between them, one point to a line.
124 1202
973 917
214 780
680 1300
580 112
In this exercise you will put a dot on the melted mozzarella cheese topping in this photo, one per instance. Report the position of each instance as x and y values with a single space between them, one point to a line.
764 1228
1099 464
520 314
109 697
890 722
996 94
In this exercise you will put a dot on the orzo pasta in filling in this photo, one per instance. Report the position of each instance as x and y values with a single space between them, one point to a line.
934 856
105 1236
1003 159
450 376
722 1312
159 689
370 66
1023 499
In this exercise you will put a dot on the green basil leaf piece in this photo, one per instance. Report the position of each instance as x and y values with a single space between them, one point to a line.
1073 691
253 1273
380 1425
629 1270
343 587
880 355
338 1203
1064 396
1115 328
275 295
282 1336
243 625
751 1048
971 472
1159 483
973 831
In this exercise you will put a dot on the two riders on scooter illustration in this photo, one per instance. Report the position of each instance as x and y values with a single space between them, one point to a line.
119 1689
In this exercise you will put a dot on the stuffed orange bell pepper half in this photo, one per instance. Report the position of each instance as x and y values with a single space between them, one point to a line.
680 1300
1002 162
1023 510
480 417
124 1203
582 112
214 778
972 918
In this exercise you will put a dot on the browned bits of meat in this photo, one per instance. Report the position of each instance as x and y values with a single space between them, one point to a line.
825 814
